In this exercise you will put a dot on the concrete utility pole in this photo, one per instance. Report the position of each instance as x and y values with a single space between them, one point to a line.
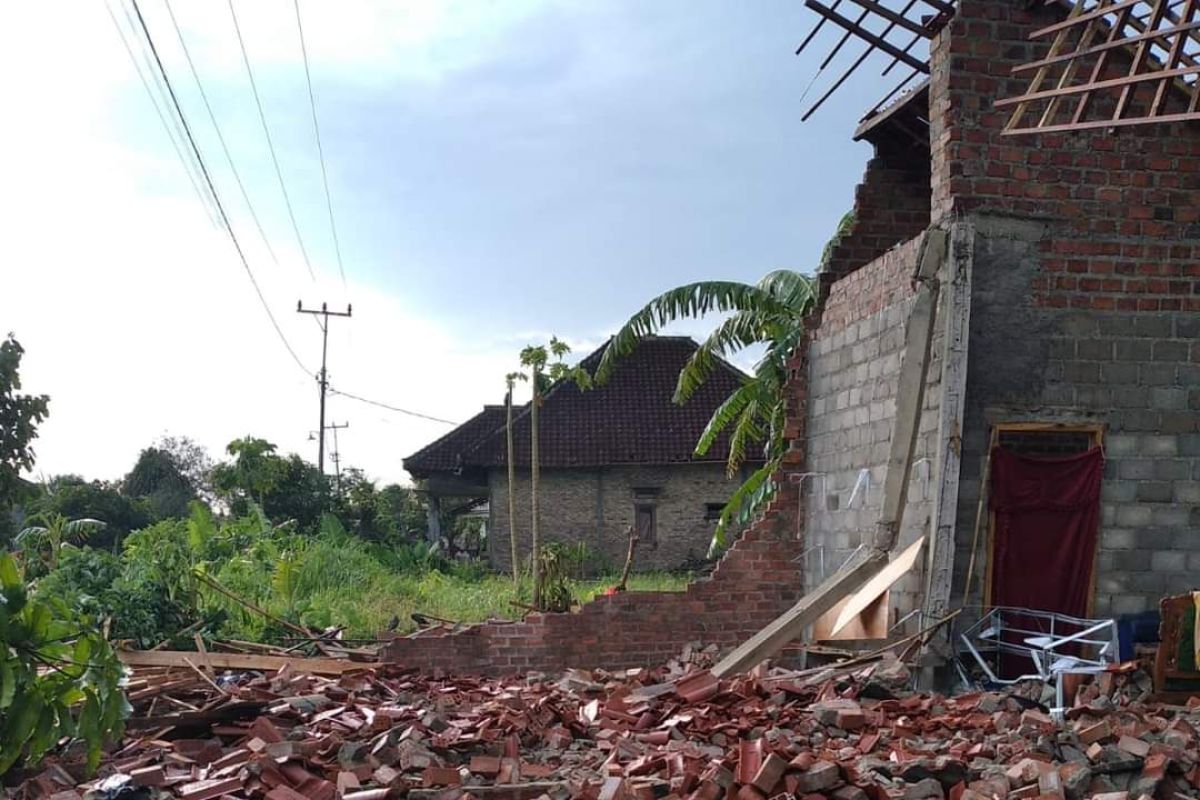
322 380
335 456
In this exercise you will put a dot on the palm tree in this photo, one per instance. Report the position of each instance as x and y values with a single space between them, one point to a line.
769 313
54 533
510 380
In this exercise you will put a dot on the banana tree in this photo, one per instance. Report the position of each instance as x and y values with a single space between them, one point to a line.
53 533
769 314
510 381
543 375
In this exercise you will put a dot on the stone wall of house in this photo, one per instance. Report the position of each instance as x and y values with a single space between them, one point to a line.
596 507
1086 301
854 366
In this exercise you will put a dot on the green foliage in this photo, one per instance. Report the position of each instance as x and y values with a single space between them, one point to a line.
770 314
20 415
160 482
43 542
58 678
284 487
75 498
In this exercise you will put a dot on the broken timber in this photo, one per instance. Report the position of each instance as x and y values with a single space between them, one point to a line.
868 561
175 658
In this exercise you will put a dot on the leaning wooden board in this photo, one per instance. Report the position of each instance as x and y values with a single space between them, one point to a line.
175 658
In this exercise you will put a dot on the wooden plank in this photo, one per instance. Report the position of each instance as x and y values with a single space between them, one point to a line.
871 591
1124 6
1113 83
1041 74
1068 74
1147 36
939 569
866 35
1173 57
176 658
1191 116
893 17
791 624
1139 60
871 623
910 396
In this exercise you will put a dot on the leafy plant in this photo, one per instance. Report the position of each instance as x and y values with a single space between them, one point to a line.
46 540
769 313
20 415
58 679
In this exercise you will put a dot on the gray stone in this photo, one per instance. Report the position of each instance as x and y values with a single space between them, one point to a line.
1169 561
1155 492
1095 350
1133 350
1168 350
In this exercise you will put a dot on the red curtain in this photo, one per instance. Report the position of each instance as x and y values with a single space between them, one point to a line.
1047 516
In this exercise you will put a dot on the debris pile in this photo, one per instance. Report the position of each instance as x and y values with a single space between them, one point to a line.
850 733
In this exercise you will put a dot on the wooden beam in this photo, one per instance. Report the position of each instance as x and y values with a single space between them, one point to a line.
791 624
1112 83
1173 57
910 396
177 658
1041 74
893 17
1100 48
879 583
1126 5
939 570
1068 74
1191 116
1139 59
864 34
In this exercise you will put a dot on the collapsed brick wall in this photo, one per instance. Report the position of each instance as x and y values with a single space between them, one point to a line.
1086 296
595 507
854 363
754 582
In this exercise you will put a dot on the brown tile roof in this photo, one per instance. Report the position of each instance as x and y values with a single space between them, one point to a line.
449 452
629 420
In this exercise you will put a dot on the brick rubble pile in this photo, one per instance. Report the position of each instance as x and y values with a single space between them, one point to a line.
671 732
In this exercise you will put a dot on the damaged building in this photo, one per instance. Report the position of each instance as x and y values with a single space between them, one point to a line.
1003 363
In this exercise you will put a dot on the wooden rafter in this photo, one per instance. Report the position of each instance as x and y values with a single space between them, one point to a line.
892 30
1141 43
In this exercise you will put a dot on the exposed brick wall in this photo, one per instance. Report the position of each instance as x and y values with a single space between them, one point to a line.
891 205
1085 297
854 363
596 507
754 582
1125 207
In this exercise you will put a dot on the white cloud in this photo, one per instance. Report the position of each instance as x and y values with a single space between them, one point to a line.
135 313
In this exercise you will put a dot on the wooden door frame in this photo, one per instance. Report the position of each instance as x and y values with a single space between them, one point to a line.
1096 430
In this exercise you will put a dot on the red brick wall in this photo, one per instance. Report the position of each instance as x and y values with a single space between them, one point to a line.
867 291
1123 208
755 581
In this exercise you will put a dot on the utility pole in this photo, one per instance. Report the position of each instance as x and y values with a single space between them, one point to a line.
335 456
323 379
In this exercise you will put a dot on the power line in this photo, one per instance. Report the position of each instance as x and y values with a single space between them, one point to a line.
312 104
213 189
389 407
262 116
188 168
220 137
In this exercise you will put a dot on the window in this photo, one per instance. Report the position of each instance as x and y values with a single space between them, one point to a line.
644 524
646 492
712 511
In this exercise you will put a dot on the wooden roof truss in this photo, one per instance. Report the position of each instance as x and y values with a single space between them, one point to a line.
898 29
1112 63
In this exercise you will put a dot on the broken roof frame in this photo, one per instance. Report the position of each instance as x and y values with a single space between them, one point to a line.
1161 39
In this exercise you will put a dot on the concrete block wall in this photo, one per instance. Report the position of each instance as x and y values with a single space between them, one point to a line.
854 367
1086 295
596 507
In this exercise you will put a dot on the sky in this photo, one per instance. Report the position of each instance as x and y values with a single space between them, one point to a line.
499 172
